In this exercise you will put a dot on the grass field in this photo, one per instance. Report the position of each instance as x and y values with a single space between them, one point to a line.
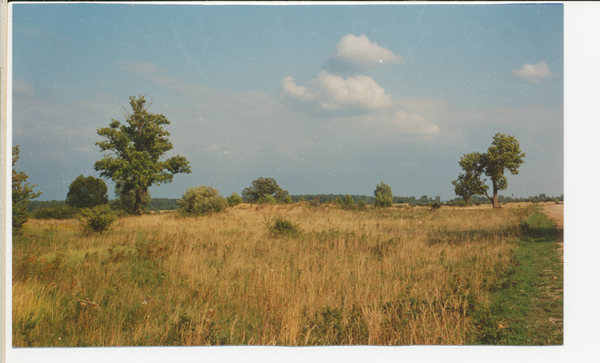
291 275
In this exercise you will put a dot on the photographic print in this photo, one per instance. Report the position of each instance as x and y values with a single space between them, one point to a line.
293 175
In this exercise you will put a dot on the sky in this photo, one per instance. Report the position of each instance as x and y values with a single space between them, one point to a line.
326 99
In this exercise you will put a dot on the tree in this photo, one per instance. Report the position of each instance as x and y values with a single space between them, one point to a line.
505 153
469 183
234 199
22 193
348 200
263 187
138 148
384 189
87 192
382 200
126 200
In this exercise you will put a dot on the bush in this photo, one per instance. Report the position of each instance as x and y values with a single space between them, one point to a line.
301 199
282 227
97 219
234 199
288 200
202 200
267 199
362 205
57 212
435 205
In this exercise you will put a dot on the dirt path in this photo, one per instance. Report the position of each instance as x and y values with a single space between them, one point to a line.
556 212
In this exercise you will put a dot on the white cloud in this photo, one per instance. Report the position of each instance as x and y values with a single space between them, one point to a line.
533 72
356 54
329 92
412 124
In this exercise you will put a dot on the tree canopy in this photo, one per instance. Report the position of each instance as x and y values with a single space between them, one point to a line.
137 151
504 154
22 193
263 187
87 192
384 189
469 183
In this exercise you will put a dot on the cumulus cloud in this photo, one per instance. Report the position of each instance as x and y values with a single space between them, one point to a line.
330 92
356 54
412 124
533 72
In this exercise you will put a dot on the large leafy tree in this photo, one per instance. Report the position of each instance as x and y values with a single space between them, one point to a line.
138 148
87 192
263 187
22 193
469 183
504 154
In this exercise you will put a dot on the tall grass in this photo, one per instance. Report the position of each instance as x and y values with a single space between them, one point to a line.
388 277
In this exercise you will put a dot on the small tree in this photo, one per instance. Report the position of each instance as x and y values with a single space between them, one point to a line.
138 148
348 200
202 200
22 193
384 189
288 200
97 219
383 201
469 183
505 153
87 192
234 199
263 187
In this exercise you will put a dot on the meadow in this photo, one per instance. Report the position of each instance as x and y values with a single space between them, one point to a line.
292 275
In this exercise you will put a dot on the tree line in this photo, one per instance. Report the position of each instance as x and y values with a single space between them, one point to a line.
134 160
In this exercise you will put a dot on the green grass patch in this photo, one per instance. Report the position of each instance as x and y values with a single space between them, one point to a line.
526 305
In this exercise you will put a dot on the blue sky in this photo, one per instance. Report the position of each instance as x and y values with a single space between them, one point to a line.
323 98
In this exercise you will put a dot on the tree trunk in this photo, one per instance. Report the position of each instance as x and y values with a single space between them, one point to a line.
495 198
140 196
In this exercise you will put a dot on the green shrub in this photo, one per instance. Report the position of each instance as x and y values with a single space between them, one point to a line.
288 200
267 199
301 199
362 205
279 227
234 199
97 219
62 211
435 205
202 200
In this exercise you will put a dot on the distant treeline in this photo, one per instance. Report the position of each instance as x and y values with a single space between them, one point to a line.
157 204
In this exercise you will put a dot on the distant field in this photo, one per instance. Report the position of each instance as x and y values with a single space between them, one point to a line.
396 276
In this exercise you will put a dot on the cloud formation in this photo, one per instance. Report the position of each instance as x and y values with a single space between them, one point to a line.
330 92
533 72
357 54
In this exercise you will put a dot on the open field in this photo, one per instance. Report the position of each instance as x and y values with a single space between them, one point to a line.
377 276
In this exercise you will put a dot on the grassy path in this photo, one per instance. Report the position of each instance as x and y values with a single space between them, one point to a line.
527 305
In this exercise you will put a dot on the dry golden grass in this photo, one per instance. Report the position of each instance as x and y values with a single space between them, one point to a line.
391 277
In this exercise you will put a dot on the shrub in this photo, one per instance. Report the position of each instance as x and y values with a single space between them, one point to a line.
202 200
301 199
234 199
267 199
97 219
279 227
56 212
288 200
362 205
435 205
